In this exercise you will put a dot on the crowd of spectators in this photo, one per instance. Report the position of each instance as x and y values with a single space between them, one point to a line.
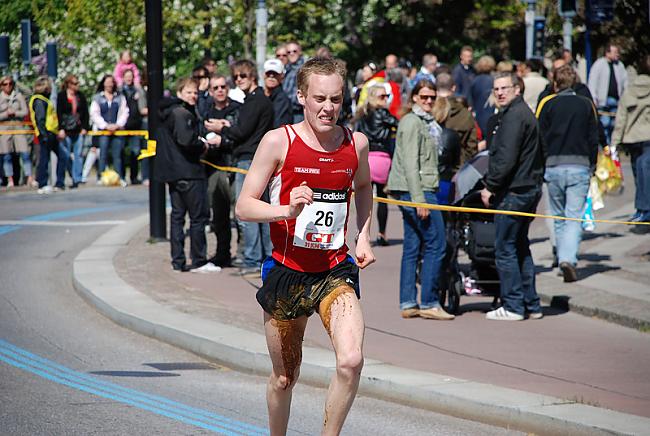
422 123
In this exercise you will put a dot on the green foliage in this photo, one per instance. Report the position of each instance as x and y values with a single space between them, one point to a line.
91 33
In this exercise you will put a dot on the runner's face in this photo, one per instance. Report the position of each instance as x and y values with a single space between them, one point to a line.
322 102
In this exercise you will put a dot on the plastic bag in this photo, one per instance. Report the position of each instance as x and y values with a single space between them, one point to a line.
608 172
110 177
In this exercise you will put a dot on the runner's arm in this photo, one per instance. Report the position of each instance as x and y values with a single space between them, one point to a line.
363 202
267 158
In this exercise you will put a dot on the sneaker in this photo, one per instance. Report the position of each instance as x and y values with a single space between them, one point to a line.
59 188
100 182
535 315
251 272
501 314
436 313
179 269
640 229
123 183
569 272
47 189
208 267
411 312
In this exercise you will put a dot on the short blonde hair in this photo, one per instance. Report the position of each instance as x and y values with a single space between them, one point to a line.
184 81
485 65
321 66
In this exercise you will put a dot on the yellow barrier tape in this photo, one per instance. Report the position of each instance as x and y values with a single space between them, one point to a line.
150 151
458 208
144 133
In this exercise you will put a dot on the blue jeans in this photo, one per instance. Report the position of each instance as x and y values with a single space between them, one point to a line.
425 238
7 163
74 144
134 144
642 181
567 192
257 236
512 252
48 144
116 144
608 122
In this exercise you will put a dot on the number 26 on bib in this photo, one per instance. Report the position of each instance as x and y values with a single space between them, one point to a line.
321 225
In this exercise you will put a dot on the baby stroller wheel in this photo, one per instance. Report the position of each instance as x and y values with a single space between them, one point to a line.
449 296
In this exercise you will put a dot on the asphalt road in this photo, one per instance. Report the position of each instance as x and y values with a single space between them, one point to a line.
66 370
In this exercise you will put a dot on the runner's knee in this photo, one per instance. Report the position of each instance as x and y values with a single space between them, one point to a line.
349 364
283 382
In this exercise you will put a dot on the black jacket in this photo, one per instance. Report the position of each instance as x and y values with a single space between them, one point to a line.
569 127
222 155
178 148
255 119
378 126
448 154
282 113
64 109
516 149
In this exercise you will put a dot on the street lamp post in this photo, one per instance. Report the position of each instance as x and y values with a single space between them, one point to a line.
157 215
261 20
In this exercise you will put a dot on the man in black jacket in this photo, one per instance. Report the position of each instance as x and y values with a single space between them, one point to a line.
514 182
273 76
570 129
177 163
219 182
255 119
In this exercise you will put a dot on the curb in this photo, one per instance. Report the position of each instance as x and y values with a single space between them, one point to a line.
96 280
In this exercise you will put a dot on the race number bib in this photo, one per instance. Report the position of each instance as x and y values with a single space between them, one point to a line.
321 225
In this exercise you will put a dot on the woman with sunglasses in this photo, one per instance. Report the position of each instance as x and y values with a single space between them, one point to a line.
13 108
72 110
414 177
374 121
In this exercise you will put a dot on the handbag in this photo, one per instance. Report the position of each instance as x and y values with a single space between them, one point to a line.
70 122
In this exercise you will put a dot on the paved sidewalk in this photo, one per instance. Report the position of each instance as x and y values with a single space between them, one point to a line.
577 376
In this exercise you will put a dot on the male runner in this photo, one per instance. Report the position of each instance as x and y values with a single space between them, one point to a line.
311 167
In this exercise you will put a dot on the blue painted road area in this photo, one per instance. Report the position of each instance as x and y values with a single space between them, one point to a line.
23 359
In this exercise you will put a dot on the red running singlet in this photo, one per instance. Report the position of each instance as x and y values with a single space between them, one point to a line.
315 240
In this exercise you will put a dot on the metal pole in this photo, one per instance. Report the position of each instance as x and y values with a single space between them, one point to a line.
157 215
530 23
261 19
567 31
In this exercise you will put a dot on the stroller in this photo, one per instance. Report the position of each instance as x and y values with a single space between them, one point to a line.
474 233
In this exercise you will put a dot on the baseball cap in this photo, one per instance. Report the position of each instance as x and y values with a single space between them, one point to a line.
274 65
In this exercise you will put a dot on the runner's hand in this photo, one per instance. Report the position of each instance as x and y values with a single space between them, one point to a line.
363 253
299 197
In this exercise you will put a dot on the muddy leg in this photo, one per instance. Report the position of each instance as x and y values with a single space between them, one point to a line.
284 340
341 314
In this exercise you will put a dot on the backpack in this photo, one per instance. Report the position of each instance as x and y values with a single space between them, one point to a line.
134 122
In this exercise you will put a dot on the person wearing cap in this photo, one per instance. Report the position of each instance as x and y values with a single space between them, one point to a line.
273 76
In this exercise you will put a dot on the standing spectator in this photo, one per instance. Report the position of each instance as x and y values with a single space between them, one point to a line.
209 64
204 102
378 125
534 82
219 182
13 109
290 84
108 111
414 177
514 182
390 62
429 66
607 81
459 119
255 119
464 73
177 163
136 101
72 110
125 62
273 76
46 125
481 90
632 130
569 126
449 151
281 53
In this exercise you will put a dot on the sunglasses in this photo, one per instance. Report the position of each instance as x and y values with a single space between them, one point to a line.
280 55
271 74
214 88
427 97
239 76
383 96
